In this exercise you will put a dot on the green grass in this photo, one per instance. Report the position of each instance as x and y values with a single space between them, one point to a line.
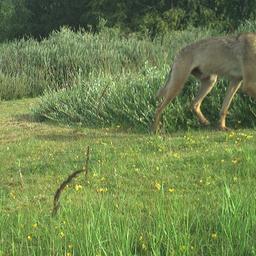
186 193
65 58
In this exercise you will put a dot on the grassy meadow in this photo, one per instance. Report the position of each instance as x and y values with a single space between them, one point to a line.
187 191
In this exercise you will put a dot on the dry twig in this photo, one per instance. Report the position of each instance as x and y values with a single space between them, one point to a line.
56 200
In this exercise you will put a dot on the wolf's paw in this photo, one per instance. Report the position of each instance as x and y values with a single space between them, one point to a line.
205 122
224 128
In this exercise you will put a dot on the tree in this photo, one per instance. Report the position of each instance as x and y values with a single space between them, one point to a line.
39 17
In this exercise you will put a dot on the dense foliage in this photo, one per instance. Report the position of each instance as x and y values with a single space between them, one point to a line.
112 80
38 18
109 78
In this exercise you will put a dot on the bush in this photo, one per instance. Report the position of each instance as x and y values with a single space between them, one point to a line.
129 101
108 79
66 57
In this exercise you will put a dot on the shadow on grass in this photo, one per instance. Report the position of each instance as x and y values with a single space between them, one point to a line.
70 136
25 118
86 134
54 131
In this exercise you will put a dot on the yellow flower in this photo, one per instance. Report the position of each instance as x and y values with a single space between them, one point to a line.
78 187
34 225
214 236
101 190
235 178
171 190
234 161
142 243
144 247
12 194
62 234
158 185
29 238
176 155
232 134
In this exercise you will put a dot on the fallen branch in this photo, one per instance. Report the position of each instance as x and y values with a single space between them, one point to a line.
56 200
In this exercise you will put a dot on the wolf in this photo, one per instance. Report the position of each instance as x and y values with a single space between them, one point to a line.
232 57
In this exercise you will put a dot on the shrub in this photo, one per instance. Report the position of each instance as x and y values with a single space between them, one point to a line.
107 79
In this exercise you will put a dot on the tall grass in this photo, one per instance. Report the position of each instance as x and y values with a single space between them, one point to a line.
163 225
28 67
109 79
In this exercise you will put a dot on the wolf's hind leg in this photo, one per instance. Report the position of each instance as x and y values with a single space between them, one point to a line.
168 98
179 75
231 91
172 89
206 86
